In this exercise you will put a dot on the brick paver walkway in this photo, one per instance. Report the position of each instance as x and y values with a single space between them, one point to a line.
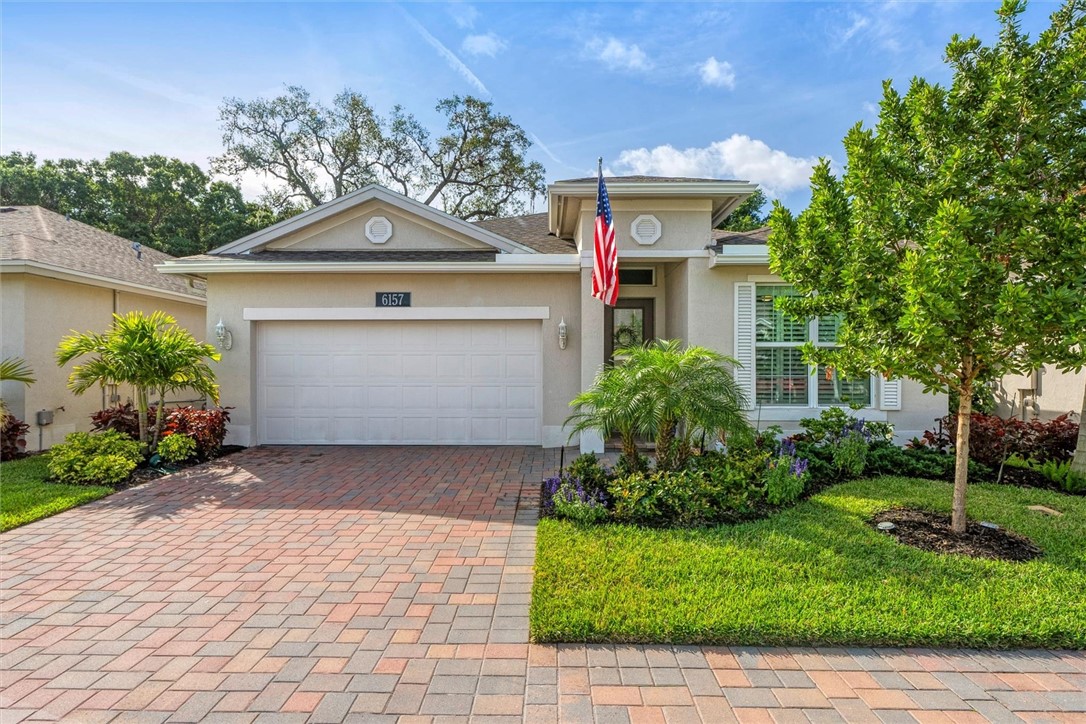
358 584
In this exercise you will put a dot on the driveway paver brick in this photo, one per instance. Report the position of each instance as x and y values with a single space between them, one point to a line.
316 584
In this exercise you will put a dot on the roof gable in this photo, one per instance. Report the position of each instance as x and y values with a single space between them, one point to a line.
315 229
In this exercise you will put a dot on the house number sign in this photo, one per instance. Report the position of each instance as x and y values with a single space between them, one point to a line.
393 299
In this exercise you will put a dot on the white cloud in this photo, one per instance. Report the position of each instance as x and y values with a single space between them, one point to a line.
489 45
464 15
739 157
616 55
717 73
872 108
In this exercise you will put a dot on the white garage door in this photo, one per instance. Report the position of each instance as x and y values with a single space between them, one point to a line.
399 382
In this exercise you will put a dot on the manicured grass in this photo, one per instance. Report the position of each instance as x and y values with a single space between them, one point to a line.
818 574
25 496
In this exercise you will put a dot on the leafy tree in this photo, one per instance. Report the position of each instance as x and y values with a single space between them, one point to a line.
14 369
749 215
955 242
316 152
163 203
150 353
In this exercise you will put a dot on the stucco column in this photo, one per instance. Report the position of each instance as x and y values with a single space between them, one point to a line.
591 349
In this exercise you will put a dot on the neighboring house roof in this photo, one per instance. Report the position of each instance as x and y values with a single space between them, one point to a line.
38 237
531 230
726 237
646 180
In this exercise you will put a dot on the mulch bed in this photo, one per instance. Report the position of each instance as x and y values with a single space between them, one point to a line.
931 532
145 474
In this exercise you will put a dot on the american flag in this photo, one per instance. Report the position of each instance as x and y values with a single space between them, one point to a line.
605 259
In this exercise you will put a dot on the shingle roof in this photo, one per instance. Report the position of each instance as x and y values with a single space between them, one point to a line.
531 230
644 180
34 234
348 255
725 237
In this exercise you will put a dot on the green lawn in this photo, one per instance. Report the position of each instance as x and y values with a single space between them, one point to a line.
25 496
817 574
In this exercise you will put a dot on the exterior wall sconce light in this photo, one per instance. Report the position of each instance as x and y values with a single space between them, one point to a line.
563 337
226 340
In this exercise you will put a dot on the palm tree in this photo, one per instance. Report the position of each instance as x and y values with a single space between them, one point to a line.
14 369
681 394
150 353
609 407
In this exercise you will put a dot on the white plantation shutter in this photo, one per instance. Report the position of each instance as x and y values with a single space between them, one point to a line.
890 397
744 339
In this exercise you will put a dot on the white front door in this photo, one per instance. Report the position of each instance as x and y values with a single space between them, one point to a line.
399 382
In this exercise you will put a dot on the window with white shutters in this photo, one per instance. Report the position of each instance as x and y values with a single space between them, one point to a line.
781 377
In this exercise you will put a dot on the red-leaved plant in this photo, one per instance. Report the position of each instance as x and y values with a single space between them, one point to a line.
12 437
993 439
206 427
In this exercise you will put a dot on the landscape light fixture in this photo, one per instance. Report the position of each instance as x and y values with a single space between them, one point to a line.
226 340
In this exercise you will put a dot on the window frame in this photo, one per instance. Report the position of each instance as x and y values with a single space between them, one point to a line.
812 370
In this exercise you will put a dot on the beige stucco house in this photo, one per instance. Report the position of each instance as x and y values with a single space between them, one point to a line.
1043 394
376 319
58 275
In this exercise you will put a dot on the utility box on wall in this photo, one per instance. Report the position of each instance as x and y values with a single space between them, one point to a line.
44 417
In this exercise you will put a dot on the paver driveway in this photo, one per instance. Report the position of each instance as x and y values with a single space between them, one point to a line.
333 584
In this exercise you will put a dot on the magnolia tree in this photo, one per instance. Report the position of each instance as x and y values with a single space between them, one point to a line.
954 243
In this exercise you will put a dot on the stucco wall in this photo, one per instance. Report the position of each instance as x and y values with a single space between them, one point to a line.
348 231
1057 393
230 294
52 309
685 224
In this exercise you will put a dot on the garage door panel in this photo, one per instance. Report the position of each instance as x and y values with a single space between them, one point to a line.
419 366
419 397
384 397
278 397
487 367
348 365
417 382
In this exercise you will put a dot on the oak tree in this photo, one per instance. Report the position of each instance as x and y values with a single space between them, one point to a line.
313 152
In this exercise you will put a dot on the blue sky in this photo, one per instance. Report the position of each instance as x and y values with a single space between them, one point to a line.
733 90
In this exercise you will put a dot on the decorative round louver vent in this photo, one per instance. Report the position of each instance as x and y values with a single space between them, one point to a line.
645 229
378 230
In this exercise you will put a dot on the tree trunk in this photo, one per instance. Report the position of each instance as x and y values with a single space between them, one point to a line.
1078 463
665 442
159 419
141 407
629 451
961 459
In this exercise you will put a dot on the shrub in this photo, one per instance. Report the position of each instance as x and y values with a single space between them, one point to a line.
12 437
993 439
206 427
919 462
1060 473
786 476
589 472
821 469
83 459
122 418
573 501
176 448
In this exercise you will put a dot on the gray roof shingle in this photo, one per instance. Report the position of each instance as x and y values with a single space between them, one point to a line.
531 230
644 180
34 234
726 237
